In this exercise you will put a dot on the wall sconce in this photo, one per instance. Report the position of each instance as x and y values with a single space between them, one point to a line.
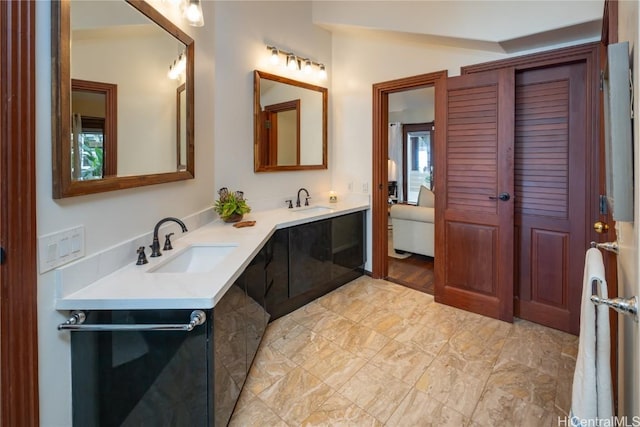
296 62
178 68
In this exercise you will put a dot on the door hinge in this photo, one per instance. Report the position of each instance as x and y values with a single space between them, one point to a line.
601 80
603 205
267 124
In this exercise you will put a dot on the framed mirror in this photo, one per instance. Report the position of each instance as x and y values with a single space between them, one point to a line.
120 120
290 124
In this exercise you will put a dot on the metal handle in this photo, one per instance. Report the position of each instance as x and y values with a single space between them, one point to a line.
600 227
75 324
621 305
502 196
607 246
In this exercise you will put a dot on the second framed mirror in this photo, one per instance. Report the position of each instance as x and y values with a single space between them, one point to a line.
290 124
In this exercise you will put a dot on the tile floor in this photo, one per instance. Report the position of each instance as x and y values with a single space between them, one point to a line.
374 353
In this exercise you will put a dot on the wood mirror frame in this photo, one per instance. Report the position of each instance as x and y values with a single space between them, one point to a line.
63 184
261 150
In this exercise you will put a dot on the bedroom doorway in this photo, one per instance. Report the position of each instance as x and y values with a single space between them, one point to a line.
396 103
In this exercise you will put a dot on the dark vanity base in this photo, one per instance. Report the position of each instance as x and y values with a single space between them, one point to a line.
310 260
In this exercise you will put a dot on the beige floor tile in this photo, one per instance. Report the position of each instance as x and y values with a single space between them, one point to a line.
525 383
255 413
278 329
427 335
385 322
339 411
354 309
468 359
451 386
333 365
538 354
322 321
497 408
268 367
376 391
419 409
299 339
362 341
296 395
403 361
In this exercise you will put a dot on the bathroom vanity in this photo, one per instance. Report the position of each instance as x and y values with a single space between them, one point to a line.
148 375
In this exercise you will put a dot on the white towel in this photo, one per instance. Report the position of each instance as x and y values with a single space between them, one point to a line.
592 398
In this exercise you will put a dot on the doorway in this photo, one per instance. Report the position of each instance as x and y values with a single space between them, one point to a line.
382 117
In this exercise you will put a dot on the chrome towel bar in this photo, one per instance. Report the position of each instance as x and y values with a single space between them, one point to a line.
627 306
607 246
75 323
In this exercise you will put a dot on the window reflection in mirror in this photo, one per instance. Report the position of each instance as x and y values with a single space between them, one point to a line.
290 124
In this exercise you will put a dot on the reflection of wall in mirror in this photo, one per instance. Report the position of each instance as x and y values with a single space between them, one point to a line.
310 118
287 131
146 97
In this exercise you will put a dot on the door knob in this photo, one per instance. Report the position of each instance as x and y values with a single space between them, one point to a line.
502 196
600 227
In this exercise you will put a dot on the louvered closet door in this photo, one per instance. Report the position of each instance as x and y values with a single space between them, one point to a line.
474 235
552 183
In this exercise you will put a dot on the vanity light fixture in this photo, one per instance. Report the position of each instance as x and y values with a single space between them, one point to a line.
193 13
296 62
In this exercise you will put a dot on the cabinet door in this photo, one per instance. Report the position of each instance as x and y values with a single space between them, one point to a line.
277 272
310 256
347 243
230 351
254 277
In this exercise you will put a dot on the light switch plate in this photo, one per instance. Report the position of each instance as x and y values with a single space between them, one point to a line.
60 248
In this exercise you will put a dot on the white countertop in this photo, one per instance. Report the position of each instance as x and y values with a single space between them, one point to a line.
135 287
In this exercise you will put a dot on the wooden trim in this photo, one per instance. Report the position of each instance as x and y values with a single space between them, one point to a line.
610 23
273 110
18 275
179 125
379 207
110 147
536 60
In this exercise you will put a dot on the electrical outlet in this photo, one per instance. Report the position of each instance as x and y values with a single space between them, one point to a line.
350 186
61 247
365 187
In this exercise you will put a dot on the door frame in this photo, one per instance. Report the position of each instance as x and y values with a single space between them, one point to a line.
19 389
379 208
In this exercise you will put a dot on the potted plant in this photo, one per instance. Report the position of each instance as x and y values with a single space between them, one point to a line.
231 206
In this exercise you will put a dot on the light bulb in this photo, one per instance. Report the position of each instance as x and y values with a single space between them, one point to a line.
307 66
322 73
193 13
292 62
275 57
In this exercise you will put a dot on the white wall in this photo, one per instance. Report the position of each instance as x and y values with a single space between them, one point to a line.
247 28
628 238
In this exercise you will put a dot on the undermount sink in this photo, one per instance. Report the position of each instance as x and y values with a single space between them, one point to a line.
195 259
313 210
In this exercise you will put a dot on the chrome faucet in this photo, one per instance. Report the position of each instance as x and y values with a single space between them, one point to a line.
306 200
155 246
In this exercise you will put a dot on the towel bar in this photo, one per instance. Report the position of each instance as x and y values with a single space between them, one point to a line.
75 323
621 305
607 246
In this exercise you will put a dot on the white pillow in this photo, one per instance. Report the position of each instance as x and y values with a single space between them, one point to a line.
426 198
